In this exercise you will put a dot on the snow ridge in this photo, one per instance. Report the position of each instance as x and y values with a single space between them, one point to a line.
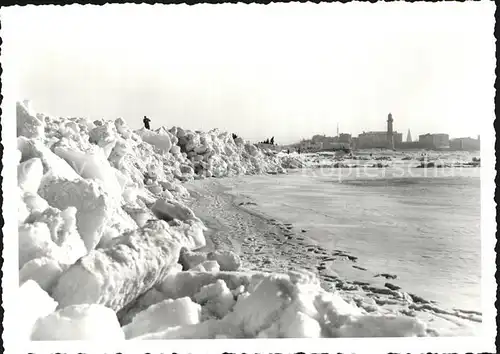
106 241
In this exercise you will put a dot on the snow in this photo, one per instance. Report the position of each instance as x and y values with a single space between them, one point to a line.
109 249
167 313
96 210
228 260
79 322
44 270
31 203
170 209
191 232
33 303
117 275
159 140
207 266
93 165
256 312
189 259
105 136
29 175
49 234
27 124
301 326
216 299
52 163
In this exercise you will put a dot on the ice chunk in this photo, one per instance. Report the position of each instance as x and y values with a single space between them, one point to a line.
216 298
22 209
167 313
301 326
123 129
181 190
264 305
28 125
91 164
167 185
45 271
32 304
189 259
96 210
228 260
49 234
104 136
171 209
187 283
154 188
175 150
150 297
160 141
138 214
34 203
210 266
334 310
29 175
51 162
60 223
79 322
117 275
191 232
129 194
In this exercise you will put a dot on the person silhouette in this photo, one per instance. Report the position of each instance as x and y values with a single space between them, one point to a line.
146 121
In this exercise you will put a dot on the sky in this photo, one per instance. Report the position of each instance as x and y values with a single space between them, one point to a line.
282 70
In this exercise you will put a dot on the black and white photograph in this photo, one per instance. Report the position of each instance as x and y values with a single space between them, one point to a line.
291 177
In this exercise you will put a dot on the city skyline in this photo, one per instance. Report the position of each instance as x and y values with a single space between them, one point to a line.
409 133
323 64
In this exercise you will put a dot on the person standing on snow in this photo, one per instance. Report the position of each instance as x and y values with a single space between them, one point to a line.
146 121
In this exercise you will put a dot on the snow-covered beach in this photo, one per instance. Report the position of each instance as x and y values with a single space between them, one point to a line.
128 229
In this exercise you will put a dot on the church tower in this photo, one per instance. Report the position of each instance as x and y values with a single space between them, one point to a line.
408 137
390 136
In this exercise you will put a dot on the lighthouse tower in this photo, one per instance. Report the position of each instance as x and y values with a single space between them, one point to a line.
390 135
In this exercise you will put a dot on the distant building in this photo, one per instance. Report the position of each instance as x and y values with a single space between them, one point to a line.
333 146
434 141
309 145
380 139
354 143
318 138
345 138
468 144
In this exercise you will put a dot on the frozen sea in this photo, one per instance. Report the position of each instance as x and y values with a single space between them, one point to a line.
421 224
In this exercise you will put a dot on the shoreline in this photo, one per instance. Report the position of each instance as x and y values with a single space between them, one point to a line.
236 223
